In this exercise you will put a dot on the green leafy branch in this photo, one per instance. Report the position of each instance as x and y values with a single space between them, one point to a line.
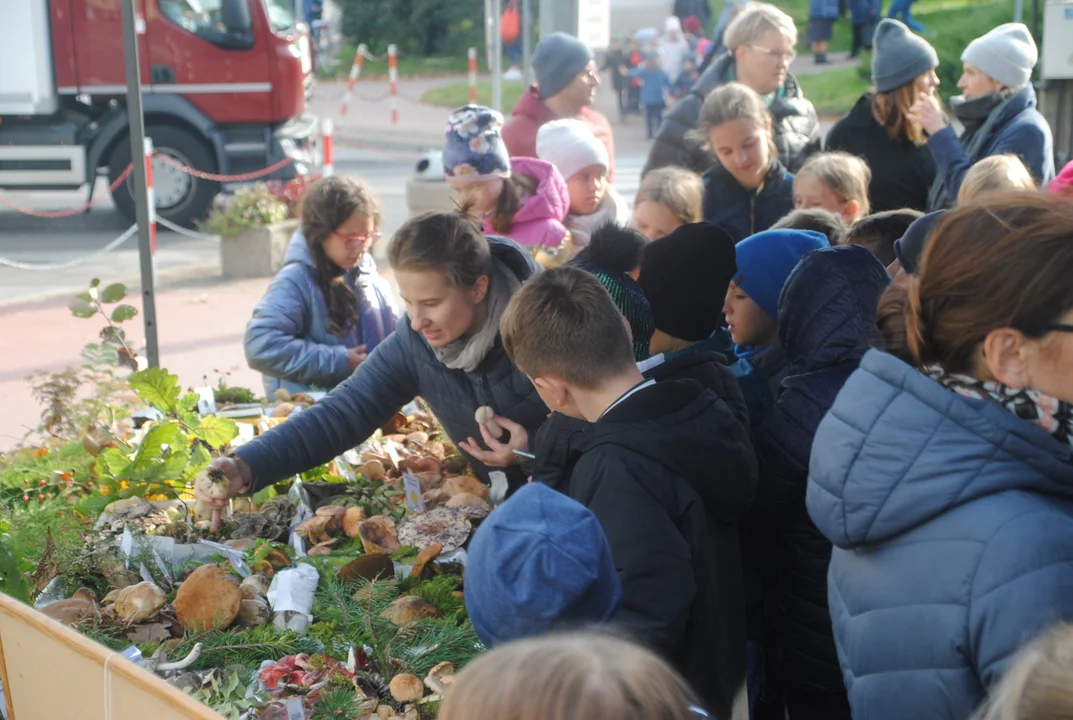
91 303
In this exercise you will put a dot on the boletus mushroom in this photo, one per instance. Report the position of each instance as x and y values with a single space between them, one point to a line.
378 535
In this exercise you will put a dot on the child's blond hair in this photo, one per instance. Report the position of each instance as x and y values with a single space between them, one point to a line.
679 190
847 176
995 174
1037 684
581 676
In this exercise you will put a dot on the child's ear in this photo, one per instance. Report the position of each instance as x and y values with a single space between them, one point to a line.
553 391
850 210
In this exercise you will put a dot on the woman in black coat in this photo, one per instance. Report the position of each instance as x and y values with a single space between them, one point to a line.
878 128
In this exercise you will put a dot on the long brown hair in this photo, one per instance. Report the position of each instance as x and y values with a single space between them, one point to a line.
327 205
583 676
891 110
1002 263
516 189
446 242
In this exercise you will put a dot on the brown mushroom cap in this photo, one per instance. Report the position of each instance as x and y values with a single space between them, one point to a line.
207 600
457 484
435 498
368 567
335 515
448 527
410 608
352 520
378 535
468 500
372 470
313 527
406 688
424 558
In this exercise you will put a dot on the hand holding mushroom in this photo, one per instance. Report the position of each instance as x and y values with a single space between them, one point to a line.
222 480
500 453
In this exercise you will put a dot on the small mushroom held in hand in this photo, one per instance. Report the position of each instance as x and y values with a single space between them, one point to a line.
487 416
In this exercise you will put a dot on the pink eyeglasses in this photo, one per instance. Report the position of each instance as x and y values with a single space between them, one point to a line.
354 242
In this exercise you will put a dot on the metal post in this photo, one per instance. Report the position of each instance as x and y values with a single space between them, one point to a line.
132 24
497 59
527 34
1018 11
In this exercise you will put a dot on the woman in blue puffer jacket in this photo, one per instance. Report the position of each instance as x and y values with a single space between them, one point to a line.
948 490
327 307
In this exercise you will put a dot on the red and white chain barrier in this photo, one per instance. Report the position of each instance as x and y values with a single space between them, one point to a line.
393 78
215 177
53 214
355 73
328 163
473 76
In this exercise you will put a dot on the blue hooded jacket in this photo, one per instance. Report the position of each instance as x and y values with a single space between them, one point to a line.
1020 129
287 340
952 521
827 321
402 367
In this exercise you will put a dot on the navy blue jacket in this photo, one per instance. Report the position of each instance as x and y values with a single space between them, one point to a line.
826 323
1020 130
952 521
863 12
287 340
401 368
744 212
824 9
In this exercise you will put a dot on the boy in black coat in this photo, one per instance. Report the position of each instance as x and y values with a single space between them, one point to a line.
666 468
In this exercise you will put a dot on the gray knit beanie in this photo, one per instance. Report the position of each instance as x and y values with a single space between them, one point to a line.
557 60
1007 54
899 56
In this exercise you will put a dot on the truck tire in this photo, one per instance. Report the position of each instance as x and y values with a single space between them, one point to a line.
180 198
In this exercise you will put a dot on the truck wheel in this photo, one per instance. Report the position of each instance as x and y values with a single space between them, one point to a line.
180 198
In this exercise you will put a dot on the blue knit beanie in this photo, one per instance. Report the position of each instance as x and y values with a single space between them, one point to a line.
473 147
765 261
540 560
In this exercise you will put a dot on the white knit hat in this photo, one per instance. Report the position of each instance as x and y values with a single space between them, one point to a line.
570 146
1006 54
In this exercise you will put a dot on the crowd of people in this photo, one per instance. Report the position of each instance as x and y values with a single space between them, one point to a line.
895 297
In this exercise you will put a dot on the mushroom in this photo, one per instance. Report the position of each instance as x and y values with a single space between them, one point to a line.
372 470
352 520
424 558
417 438
314 528
378 535
440 677
367 567
468 500
139 603
71 610
435 498
283 410
207 600
410 608
487 416
406 688
335 515
253 612
323 548
255 586
429 480
418 465
448 527
456 484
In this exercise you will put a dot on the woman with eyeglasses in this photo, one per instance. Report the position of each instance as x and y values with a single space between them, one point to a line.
327 307
946 485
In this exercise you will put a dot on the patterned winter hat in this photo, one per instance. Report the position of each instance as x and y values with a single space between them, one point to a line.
473 147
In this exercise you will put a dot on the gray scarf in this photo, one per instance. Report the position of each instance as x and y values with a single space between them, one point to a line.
970 111
468 352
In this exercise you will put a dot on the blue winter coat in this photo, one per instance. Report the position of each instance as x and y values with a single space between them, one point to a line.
287 340
744 212
824 9
827 321
654 85
399 369
1020 130
863 12
953 525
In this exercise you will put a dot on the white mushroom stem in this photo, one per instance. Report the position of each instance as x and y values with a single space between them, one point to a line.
181 664
486 416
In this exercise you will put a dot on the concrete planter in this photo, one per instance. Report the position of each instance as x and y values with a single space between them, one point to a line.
256 252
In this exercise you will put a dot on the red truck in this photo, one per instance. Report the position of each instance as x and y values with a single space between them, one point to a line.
224 83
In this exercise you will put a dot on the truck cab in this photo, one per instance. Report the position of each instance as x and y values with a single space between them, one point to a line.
224 91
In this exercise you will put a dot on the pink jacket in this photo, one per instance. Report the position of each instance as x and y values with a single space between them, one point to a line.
1063 183
539 221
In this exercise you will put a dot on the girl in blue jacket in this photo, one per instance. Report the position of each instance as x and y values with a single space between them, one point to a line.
748 190
327 307
947 488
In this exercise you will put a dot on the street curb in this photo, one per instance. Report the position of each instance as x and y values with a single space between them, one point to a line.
165 280
391 142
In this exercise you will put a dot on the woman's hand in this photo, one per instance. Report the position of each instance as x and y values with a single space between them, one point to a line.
237 474
927 113
355 356
499 454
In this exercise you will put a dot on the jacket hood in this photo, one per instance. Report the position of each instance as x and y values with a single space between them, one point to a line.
693 434
298 253
789 99
510 254
827 311
702 361
897 450
551 201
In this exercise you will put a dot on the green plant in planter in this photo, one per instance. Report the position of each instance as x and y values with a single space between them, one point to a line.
251 207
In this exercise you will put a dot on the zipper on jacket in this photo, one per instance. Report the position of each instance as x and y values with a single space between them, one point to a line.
752 214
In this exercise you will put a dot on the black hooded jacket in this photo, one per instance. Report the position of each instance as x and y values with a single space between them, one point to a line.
794 121
826 324
669 471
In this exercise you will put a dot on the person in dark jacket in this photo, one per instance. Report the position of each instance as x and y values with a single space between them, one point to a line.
947 490
997 108
327 307
455 285
761 42
664 466
879 129
747 190
827 321
865 16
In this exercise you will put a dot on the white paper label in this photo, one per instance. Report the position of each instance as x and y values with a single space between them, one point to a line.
412 486
206 404
295 709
